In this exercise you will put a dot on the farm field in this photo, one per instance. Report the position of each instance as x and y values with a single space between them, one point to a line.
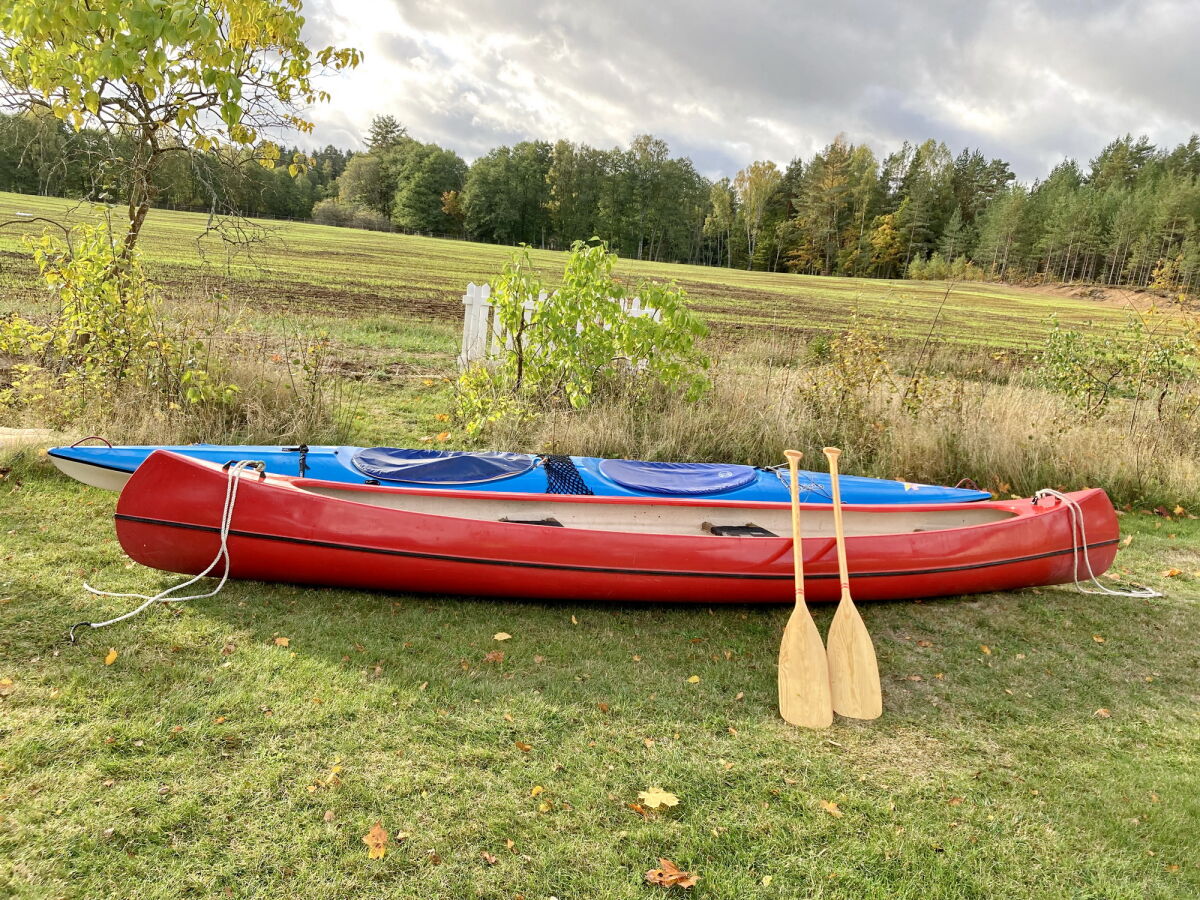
1041 743
324 275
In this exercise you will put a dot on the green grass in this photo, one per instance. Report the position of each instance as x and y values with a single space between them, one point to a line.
182 770
323 276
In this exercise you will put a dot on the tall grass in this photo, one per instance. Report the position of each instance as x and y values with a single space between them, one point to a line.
984 420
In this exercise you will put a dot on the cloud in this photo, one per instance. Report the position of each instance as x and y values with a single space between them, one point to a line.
727 83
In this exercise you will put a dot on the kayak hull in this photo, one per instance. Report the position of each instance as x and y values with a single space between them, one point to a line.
309 532
109 468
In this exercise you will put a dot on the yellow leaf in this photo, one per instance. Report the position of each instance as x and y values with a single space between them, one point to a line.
695 679
1102 713
111 657
668 875
442 436
1098 638
501 636
537 789
376 840
443 417
545 806
282 642
766 881
831 808
656 797
522 746
1179 511
987 651
1171 573
574 621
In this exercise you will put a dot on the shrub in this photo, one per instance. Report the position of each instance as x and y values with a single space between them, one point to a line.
576 342
334 212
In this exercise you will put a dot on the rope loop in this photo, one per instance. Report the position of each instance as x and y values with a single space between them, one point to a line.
1079 547
233 473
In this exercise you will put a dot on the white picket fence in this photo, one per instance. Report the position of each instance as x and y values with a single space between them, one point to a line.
483 335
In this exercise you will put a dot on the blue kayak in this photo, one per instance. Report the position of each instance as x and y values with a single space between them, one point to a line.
110 468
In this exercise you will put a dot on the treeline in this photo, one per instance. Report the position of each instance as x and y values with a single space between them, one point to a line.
1131 216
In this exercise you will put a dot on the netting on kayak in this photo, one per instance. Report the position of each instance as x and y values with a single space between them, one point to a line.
562 477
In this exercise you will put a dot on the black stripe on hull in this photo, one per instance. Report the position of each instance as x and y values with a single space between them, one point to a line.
743 576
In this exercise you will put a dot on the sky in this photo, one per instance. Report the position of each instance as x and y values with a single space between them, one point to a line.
727 83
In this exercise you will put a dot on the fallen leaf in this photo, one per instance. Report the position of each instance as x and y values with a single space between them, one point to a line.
282 642
111 657
832 808
535 790
1171 573
1153 797
509 843
6 687
987 651
639 809
574 621
442 436
670 875
329 816
733 731
443 417
603 707
522 746
955 801
1127 541
228 649
766 880
432 856
741 695
656 797
488 858
636 658
1098 639
1172 868
494 656
649 742
924 643
376 840
501 636
1102 713
545 806
694 679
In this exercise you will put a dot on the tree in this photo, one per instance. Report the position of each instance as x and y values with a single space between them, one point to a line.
385 133
755 186
167 76
722 213
428 172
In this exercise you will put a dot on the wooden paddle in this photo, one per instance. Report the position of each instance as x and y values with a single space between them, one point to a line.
803 670
853 671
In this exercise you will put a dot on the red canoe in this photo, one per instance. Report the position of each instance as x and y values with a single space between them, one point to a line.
594 548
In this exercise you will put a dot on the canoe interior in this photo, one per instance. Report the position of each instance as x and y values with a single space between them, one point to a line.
683 518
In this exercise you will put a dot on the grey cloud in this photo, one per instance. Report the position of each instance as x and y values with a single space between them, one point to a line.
727 83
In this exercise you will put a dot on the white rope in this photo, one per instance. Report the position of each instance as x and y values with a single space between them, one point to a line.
231 489
1078 540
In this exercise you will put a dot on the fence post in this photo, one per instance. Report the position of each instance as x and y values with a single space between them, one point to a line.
476 312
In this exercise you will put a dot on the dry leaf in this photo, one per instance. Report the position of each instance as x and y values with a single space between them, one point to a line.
1127 541
6 687
442 436
955 801
376 840
432 856
831 808
522 746
656 797
111 657
545 806
574 621
740 695
733 731
443 417
639 809
603 707
766 880
987 651
924 643
501 636
494 656
1098 639
537 789
636 658
1171 573
509 843
228 649
649 742
488 858
282 642
670 875
329 816
1102 713
695 679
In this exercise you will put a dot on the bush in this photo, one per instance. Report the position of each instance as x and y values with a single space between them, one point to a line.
350 215
109 356
575 342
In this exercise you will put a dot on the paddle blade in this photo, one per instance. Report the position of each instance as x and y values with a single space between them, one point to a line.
853 671
804 698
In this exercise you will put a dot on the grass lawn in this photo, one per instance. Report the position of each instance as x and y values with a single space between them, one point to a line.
204 760
1034 744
